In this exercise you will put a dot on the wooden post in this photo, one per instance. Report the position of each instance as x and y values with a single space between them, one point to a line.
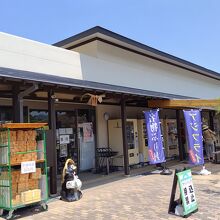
172 204
211 120
180 143
18 97
17 105
77 142
124 136
53 153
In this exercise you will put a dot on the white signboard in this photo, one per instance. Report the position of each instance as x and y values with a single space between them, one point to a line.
28 167
62 131
187 191
63 150
69 131
64 139
87 132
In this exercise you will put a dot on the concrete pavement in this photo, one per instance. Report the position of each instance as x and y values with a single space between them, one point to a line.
136 197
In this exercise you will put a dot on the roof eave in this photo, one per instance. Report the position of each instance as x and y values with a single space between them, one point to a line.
98 32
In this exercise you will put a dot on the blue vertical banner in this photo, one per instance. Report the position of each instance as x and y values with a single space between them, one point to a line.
155 145
194 135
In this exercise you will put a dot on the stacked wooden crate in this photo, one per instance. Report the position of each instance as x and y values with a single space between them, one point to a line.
23 183
21 143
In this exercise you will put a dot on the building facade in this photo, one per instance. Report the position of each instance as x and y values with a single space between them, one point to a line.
95 86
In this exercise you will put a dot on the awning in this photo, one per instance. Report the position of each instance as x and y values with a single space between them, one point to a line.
84 84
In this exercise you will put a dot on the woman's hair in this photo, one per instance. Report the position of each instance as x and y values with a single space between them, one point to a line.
67 163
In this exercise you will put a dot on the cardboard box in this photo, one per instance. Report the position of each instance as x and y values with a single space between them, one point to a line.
13 136
34 156
21 146
19 158
33 184
22 187
31 196
16 201
23 177
20 135
36 175
36 195
13 158
26 197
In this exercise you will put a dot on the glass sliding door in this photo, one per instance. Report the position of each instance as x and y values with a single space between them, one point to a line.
86 135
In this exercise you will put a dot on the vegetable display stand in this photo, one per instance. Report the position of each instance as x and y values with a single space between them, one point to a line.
23 166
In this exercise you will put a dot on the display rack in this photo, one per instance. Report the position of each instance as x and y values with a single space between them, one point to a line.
23 166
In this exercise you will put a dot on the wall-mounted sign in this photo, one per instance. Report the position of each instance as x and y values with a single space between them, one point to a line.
62 131
69 130
64 139
63 150
28 167
87 132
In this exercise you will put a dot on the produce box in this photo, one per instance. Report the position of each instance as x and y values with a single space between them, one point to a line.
22 186
26 197
15 176
34 156
36 195
33 184
31 145
36 175
31 196
20 135
13 135
16 201
23 177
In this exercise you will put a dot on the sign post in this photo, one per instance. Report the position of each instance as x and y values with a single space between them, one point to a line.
187 193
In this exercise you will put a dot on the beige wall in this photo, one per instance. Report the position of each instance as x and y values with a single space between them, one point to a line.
24 54
90 49
115 113
120 67
103 63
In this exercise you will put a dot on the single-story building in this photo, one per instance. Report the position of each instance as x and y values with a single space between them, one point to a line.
94 88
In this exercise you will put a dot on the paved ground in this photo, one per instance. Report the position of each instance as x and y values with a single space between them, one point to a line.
136 197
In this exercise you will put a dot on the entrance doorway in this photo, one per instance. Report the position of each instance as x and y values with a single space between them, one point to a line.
67 146
75 136
86 138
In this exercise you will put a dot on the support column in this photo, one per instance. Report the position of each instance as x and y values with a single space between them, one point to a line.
17 105
18 96
77 140
53 153
180 143
124 136
211 120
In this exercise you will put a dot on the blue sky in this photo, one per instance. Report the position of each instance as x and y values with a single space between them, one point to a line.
189 29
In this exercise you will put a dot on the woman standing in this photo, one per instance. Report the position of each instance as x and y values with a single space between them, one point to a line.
209 139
